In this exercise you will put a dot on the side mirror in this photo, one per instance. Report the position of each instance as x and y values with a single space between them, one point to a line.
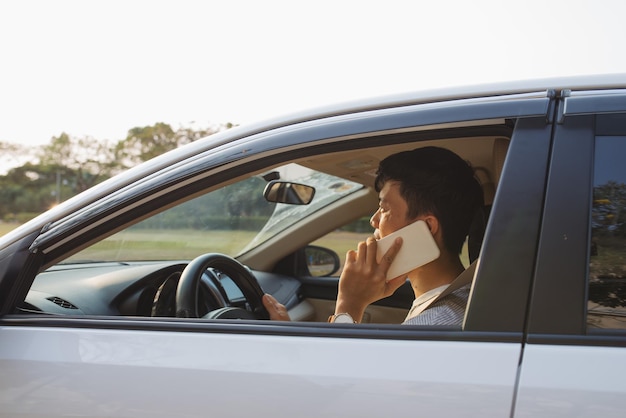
290 193
321 261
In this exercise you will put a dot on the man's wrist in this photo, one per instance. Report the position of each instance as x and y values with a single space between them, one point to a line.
343 306
341 318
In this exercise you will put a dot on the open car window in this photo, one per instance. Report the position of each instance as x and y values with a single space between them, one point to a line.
229 220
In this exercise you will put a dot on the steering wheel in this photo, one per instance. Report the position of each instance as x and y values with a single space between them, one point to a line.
187 290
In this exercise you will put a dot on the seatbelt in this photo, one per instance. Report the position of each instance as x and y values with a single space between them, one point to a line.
462 279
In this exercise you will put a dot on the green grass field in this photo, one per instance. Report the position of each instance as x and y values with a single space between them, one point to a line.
143 243
186 244
6 227
165 244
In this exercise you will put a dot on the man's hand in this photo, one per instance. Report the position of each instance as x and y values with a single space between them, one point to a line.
363 280
277 310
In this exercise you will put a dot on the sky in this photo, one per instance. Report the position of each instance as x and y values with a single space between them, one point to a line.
99 68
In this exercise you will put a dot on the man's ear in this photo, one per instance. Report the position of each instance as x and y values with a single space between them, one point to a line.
433 224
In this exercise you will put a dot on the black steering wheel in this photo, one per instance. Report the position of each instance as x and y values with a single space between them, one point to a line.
187 290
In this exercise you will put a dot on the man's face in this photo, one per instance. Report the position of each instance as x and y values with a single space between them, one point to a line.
392 210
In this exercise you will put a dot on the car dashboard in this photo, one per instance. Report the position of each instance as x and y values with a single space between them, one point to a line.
146 288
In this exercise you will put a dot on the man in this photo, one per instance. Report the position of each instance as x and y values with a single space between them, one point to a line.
430 184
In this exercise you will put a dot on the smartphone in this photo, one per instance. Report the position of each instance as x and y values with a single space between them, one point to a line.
418 248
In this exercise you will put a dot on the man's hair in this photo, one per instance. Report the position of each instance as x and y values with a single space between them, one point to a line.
438 182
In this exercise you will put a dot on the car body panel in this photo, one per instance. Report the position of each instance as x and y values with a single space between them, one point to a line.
194 374
560 287
512 233
554 382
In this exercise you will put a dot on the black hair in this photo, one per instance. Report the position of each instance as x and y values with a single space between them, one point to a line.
438 182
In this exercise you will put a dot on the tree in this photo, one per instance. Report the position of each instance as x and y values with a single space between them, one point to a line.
82 162
69 165
608 206
29 188
144 143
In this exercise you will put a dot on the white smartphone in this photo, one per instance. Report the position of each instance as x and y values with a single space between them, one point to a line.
418 248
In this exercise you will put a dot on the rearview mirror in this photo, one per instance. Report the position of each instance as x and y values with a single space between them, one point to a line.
290 193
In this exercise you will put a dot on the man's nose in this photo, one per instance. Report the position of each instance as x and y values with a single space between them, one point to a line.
374 219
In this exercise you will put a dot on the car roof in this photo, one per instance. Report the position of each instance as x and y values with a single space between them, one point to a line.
591 82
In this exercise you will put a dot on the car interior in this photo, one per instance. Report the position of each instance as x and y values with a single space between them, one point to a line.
486 155
279 264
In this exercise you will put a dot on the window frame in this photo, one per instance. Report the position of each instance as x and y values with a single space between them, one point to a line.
558 308
531 136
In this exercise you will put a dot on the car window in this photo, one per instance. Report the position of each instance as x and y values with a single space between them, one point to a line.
607 247
347 237
229 220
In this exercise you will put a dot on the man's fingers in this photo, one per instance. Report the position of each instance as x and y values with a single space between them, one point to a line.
351 256
277 311
270 303
392 251
370 255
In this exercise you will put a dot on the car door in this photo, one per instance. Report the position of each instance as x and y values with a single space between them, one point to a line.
574 358
128 366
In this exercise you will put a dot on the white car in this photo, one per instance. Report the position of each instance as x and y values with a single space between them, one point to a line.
141 296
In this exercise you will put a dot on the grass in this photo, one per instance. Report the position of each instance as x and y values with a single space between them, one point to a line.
7 227
137 244
164 244
341 241
186 244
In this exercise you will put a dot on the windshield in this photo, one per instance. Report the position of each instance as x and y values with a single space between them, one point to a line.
229 220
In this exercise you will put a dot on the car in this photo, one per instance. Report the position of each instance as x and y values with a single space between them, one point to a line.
142 295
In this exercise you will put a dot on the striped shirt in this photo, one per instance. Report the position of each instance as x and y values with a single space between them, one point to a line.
449 310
